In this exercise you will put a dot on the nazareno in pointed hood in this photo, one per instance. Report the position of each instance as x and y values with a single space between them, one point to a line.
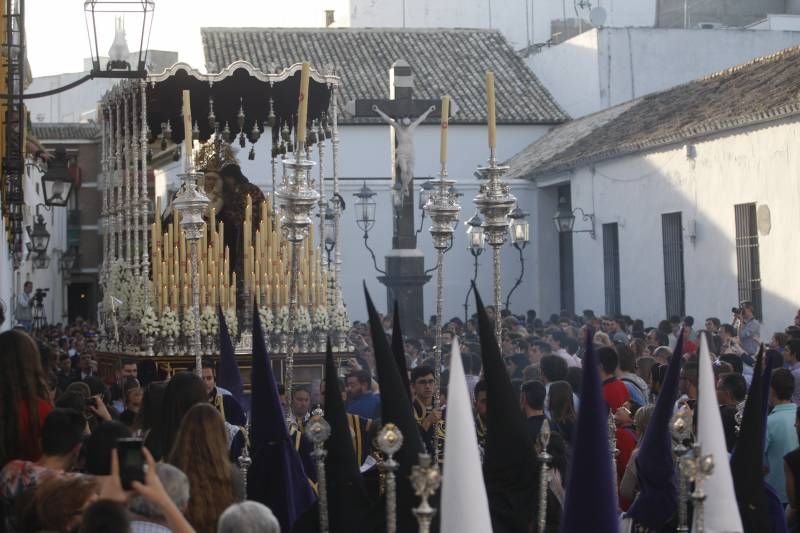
276 478
398 349
396 408
748 456
591 502
509 466
657 499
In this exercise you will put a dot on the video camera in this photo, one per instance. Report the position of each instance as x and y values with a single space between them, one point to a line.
39 295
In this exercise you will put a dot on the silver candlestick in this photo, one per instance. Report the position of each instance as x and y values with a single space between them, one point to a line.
544 459
296 199
318 430
495 202
390 439
443 208
244 460
192 202
612 447
681 429
696 467
425 479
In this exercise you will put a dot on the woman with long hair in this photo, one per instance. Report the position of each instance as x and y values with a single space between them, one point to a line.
183 391
150 413
201 451
24 398
562 409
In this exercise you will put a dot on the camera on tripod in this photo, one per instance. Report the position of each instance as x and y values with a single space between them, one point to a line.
39 295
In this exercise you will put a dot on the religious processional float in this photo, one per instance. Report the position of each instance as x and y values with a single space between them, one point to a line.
222 242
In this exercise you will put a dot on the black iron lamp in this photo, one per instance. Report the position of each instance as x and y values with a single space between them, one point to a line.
136 15
365 208
564 219
39 235
56 182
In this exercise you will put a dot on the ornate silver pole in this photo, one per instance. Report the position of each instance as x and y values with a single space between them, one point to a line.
134 166
696 467
104 182
118 181
681 429
318 430
443 209
425 479
390 439
320 133
495 202
192 202
544 477
337 261
297 200
126 173
145 192
244 460
612 447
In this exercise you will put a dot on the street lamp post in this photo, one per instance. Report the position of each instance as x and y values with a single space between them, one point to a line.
520 237
365 217
476 244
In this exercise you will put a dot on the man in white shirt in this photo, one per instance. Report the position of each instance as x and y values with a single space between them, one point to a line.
24 308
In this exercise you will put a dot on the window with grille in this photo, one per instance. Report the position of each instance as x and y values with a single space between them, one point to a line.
611 268
674 284
747 262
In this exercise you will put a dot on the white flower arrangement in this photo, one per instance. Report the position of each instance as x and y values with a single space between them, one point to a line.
149 324
282 320
170 326
302 323
188 326
232 322
209 325
341 322
267 320
320 319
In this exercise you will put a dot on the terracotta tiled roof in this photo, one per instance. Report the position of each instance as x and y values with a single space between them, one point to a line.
762 90
65 131
444 61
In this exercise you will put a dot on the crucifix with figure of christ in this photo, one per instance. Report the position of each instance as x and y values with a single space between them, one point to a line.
405 264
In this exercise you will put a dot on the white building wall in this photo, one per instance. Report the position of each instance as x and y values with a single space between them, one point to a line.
757 165
11 281
613 65
522 22
364 153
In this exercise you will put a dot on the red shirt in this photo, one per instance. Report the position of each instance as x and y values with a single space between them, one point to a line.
30 441
615 393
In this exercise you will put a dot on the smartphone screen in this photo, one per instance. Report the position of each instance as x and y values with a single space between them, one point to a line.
131 461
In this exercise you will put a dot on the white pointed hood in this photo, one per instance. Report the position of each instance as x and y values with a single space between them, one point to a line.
721 512
465 506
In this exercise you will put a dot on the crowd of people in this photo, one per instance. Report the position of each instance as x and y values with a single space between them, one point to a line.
60 422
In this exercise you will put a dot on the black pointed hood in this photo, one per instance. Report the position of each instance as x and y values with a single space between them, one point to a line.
348 504
396 408
748 457
508 465
398 349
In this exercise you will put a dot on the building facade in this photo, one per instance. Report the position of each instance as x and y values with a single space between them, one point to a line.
693 198
81 142
444 62
609 66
